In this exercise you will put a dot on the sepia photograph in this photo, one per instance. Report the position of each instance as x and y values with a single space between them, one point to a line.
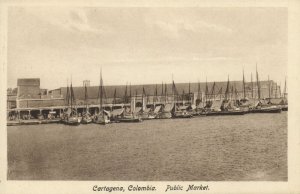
147 93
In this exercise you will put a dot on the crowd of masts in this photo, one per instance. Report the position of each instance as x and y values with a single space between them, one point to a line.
178 105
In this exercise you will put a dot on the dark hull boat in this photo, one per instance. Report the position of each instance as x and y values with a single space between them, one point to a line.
101 119
70 114
147 117
266 110
72 120
86 120
221 113
165 115
130 120
182 115
284 108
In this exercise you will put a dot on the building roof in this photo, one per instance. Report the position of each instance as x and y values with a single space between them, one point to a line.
150 89
29 82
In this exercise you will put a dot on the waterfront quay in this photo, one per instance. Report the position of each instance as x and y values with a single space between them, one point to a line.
30 104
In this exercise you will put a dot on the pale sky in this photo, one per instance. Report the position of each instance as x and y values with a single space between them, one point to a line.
145 45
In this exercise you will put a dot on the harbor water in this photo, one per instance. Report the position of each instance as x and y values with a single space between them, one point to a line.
251 147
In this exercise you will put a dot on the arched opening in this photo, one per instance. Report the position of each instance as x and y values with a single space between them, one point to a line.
24 114
12 115
93 110
80 110
139 104
45 113
35 114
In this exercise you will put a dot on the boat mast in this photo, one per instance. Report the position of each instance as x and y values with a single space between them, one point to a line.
227 89
269 87
136 94
125 95
198 95
284 90
232 93
258 84
276 89
183 97
68 94
72 96
115 96
244 89
220 93
236 94
272 89
206 91
173 90
279 90
155 95
173 93
101 90
86 98
189 98
166 95
143 101
198 92
130 91
212 95
252 87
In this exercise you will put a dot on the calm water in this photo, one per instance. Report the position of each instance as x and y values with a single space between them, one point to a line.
225 148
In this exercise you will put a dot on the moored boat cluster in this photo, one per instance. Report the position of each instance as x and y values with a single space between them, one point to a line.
168 105
173 108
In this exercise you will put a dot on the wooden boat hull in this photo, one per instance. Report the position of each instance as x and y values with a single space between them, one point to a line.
165 115
72 121
101 120
222 113
284 108
130 120
147 116
86 120
182 116
266 110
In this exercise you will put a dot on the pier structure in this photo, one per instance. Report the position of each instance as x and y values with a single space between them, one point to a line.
29 100
35 112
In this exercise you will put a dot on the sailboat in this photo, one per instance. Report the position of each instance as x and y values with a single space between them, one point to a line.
285 102
226 106
165 112
70 115
103 116
179 111
86 115
199 102
245 103
131 116
156 107
116 111
145 112
260 106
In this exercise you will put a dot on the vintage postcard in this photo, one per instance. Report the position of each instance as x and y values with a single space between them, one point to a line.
156 97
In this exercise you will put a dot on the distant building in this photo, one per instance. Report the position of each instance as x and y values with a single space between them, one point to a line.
30 95
28 88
